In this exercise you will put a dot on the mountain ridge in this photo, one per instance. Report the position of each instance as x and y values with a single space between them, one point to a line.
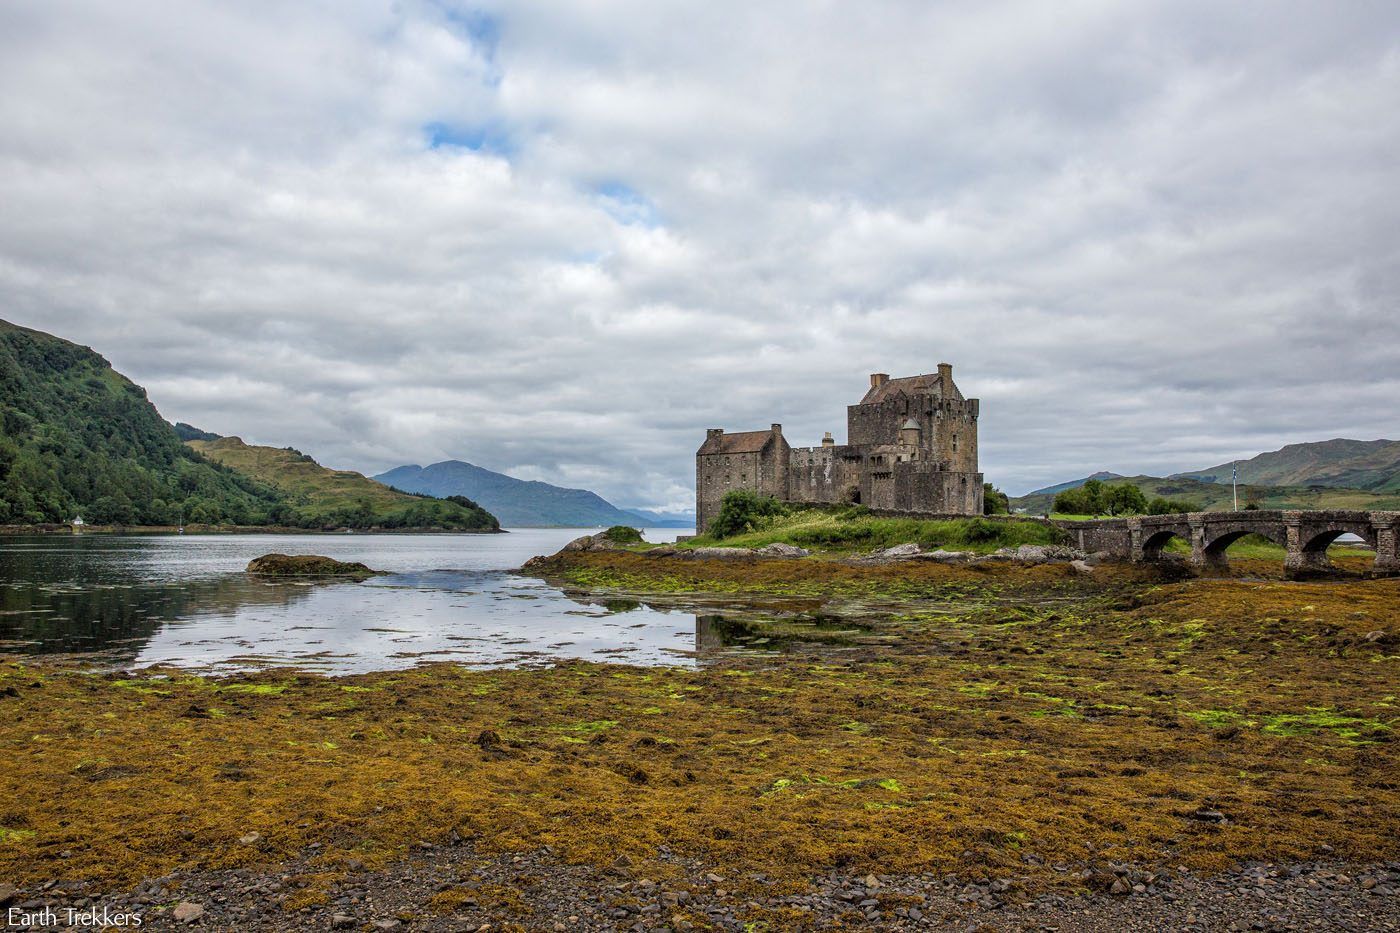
1337 473
518 502
319 496
1339 462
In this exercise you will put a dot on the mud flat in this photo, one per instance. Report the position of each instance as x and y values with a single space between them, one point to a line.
1012 746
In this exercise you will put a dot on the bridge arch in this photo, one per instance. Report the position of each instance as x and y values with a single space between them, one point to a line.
1315 537
1218 536
1155 539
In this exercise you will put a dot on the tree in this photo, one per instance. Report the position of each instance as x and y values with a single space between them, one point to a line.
1161 506
1124 499
994 501
742 510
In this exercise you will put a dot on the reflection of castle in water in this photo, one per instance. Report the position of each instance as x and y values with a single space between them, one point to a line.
712 633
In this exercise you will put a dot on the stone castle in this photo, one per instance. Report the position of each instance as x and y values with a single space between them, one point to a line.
911 446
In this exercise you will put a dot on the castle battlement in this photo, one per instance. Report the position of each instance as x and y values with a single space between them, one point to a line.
911 446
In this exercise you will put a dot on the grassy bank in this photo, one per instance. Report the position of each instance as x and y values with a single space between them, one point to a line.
1082 731
856 530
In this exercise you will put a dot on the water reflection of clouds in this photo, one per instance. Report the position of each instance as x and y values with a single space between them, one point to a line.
185 601
401 620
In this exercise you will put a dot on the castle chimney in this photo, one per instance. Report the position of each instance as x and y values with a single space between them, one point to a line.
828 440
777 430
879 379
713 432
945 372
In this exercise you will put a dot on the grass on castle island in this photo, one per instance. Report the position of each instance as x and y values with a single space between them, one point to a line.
987 720
843 531
829 532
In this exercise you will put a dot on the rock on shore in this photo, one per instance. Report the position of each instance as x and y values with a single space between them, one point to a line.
307 565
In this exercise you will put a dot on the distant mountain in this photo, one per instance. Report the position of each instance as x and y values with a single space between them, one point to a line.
517 502
665 519
1072 484
1370 465
78 438
318 497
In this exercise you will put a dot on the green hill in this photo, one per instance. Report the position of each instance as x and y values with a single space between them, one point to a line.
1371 465
1215 497
321 497
78 438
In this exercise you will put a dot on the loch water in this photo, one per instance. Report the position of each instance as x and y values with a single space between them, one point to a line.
136 600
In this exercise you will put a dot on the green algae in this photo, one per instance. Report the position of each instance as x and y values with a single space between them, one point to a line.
947 748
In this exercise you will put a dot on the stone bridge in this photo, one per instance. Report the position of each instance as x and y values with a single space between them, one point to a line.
1304 535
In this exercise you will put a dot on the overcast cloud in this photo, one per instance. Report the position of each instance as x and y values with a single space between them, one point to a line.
561 240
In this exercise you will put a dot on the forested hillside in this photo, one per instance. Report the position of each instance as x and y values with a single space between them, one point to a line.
78 438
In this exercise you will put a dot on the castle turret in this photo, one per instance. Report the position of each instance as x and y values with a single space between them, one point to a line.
828 440
910 434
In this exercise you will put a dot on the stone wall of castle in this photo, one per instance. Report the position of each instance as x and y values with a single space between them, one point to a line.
829 475
912 447
764 469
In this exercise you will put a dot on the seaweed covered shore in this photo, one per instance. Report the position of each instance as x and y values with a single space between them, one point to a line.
1030 733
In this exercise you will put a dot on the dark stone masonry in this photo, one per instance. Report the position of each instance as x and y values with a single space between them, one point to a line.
1305 536
911 447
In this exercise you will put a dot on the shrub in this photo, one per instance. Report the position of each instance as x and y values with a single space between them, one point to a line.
1161 506
980 531
742 510
622 534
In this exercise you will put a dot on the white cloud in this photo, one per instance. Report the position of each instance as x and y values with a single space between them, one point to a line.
1150 237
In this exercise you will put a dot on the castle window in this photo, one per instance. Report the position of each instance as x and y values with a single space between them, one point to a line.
955 443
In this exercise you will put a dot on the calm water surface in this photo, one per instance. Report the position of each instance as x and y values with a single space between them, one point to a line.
146 599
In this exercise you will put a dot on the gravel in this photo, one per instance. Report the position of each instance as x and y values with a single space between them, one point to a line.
455 888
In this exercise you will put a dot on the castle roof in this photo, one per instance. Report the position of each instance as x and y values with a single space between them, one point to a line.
740 442
909 423
927 384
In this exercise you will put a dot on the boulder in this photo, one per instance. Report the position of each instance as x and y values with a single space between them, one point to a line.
723 553
1081 566
900 552
948 557
1041 554
598 542
307 565
778 549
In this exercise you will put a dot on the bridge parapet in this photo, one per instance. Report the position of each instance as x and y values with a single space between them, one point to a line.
1304 535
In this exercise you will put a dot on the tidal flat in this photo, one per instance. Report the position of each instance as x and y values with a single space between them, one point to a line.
1043 739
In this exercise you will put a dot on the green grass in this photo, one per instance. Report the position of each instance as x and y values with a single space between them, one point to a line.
835 531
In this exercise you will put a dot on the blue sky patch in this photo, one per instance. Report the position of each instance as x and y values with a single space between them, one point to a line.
627 205
485 137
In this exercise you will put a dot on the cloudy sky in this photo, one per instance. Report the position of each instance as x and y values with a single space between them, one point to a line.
561 240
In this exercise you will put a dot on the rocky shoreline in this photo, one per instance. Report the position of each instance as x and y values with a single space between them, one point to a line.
453 887
1028 554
